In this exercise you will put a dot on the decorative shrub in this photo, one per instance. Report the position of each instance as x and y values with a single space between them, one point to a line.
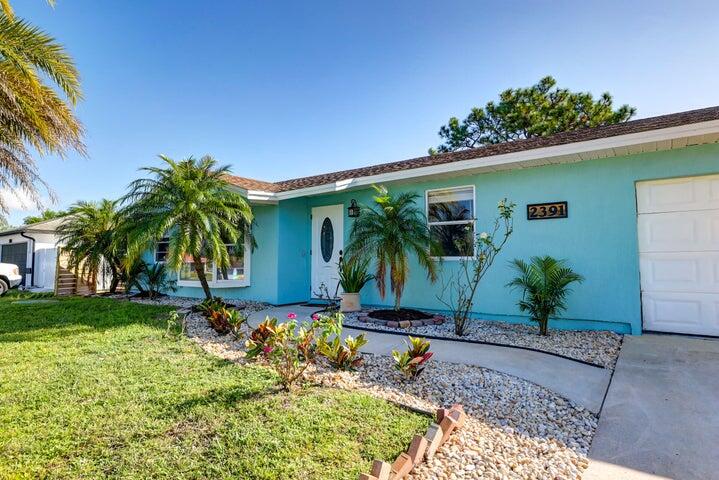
260 338
219 322
222 319
545 286
289 349
343 357
412 361
210 304
353 275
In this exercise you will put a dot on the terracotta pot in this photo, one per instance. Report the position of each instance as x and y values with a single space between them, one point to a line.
350 302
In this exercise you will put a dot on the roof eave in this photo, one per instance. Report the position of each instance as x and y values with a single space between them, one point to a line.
607 147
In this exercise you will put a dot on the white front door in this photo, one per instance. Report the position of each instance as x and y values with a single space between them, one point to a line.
327 245
678 223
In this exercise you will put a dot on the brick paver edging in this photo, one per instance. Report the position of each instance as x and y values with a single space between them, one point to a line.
421 448
435 320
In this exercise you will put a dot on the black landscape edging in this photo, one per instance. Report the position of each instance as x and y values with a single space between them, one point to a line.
476 342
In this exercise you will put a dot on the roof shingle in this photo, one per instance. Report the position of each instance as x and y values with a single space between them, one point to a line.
634 126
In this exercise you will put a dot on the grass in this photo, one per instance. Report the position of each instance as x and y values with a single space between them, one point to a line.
96 388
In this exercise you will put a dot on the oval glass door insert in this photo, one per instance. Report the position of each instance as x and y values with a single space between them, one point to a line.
327 239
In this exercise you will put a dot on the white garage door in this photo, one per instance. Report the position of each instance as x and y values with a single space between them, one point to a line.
679 254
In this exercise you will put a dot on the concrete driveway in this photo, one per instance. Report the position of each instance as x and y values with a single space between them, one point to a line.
661 415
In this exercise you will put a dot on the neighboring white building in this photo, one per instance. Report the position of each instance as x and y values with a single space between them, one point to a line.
33 248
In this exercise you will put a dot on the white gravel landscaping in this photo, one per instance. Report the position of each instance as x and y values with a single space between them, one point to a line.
515 429
597 347
185 303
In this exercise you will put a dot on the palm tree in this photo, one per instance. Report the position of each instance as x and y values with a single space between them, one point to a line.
7 8
190 202
89 232
545 285
33 114
389 230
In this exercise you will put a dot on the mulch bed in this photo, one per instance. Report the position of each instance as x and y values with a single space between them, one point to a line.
403 318
399 315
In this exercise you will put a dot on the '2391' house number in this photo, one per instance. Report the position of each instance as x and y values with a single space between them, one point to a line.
545 211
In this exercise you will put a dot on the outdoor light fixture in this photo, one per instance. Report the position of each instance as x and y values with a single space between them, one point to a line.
353 210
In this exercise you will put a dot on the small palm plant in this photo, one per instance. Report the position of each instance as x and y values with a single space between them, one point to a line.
157 280
190 202
545 286
389 231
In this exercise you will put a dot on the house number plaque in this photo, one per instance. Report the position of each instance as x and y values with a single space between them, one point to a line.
545 211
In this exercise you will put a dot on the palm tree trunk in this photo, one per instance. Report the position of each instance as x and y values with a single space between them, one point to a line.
543 326
114 280
114 283
200 270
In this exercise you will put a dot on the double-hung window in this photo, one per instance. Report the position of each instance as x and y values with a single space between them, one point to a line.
451 219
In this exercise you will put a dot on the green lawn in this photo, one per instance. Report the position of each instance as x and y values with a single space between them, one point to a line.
94 388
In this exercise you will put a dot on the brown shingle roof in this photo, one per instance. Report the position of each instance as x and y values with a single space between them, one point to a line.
634 126
251 183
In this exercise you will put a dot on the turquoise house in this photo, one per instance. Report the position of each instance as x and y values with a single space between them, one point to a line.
633 207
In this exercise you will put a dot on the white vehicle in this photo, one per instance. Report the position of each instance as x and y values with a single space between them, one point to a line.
9 277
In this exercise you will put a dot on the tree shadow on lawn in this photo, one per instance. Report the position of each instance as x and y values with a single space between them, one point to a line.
309 433
71 316
225 397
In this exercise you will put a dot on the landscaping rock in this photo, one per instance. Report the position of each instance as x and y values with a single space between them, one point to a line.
512 429
596 347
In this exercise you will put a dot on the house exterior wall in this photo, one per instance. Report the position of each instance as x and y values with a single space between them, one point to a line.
599 238
264 262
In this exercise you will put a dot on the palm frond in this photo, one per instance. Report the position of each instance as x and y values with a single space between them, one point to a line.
188 201
387 231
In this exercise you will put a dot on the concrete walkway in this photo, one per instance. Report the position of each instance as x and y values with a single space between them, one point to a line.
583 384
661 416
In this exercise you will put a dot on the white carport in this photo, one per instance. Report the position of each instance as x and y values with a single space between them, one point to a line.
33 248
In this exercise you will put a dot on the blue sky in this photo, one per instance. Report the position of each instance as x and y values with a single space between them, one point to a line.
286 89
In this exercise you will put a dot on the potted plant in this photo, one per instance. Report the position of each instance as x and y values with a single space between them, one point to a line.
353 276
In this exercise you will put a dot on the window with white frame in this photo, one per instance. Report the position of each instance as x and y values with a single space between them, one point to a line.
450 216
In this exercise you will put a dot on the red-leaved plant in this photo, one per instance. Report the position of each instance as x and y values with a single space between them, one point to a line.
290 349
412 361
